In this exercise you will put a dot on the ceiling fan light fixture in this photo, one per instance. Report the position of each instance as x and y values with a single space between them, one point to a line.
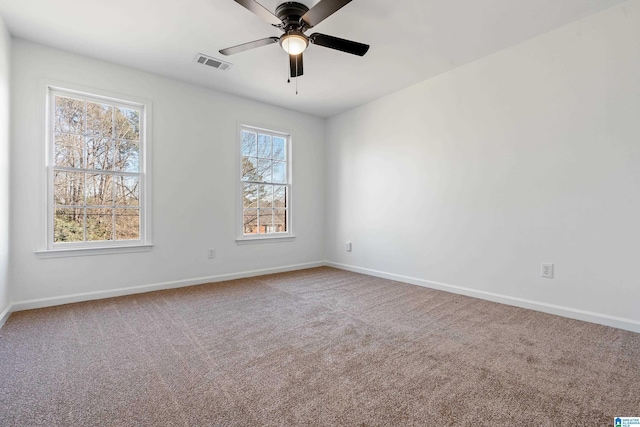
294 42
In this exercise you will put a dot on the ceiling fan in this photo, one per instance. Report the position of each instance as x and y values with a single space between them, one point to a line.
294 19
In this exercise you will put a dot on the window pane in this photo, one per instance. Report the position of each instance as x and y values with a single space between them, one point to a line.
127 190
279 196
264 146
69 115
250 169
127 156
68 188
99 224
264 163
99 153
127 224
127 124
264 170
265 196
95 151
279 152
99 190
266 220
250 224
279 172
280 221
68 150
99 119
249 147
250 196
68 225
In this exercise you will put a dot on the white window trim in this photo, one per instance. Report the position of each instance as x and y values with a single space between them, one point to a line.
241 238
46 248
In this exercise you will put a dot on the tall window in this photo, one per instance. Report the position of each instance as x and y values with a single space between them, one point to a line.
96 153
266 184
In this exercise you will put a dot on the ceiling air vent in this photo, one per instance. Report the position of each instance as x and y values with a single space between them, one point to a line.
212 62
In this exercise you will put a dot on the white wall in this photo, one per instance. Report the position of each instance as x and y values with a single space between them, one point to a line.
5 55
474 177
194 170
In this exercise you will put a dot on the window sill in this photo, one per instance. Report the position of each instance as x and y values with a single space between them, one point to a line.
269 239
103 250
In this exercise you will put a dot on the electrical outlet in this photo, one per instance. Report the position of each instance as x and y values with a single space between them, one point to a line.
347 246
211 253
546 270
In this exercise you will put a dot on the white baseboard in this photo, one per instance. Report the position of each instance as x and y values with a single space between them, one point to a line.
5 315
88 296
572 313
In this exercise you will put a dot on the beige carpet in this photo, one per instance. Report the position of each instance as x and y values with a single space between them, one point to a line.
316 347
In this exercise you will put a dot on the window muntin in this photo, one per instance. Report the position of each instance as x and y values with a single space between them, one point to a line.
265 183
96 177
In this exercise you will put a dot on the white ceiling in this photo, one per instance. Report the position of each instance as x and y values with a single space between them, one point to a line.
411 40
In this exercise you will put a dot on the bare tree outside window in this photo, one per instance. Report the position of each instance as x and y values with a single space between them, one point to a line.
96 170
265 184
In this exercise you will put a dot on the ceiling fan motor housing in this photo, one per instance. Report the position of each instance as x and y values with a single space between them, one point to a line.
290 13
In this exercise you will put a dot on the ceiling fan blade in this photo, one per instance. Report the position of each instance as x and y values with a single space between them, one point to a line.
250 45
322 10
260 10
337 43
295 64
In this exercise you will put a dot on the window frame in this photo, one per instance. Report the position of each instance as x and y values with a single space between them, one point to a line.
47 247
289 235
